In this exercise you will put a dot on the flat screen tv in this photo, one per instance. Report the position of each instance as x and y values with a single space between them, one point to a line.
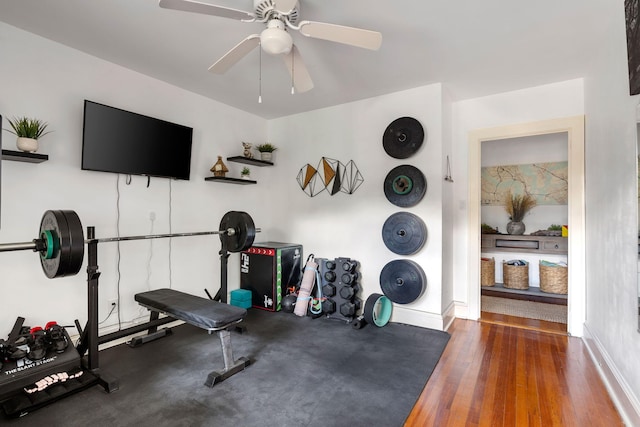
119 141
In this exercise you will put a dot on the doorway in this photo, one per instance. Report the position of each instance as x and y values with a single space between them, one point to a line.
574 128
533 294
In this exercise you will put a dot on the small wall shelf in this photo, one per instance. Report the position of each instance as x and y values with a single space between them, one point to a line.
230 180
21 156
248 161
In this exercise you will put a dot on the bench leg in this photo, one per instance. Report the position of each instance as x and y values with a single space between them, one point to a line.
231 366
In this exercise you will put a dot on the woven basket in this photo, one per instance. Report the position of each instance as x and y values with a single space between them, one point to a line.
554 279
515 276
487 272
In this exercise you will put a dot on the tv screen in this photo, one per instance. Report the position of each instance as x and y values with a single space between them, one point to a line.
119 141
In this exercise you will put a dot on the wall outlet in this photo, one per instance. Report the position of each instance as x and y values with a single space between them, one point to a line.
113 303
152 216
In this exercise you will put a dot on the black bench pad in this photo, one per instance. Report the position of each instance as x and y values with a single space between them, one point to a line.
202 312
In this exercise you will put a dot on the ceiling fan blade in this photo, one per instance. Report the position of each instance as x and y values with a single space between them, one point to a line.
238 52
285 6
207 9
301 79
340 34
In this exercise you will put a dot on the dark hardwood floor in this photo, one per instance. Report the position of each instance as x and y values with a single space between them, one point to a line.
505 371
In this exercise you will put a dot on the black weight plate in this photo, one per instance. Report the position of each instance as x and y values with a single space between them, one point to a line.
402 281
403 137
405 186
244 231
68 237
404 233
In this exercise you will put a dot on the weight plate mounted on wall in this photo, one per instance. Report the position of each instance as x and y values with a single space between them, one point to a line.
403 281
404 233
405 186
403 137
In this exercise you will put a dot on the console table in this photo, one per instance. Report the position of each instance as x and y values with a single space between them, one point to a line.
524 243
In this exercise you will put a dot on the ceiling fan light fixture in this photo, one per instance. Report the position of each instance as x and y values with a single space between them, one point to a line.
274 39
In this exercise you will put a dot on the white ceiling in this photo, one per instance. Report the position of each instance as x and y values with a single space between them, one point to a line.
474 47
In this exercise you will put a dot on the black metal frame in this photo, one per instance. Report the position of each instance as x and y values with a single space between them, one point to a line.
90 338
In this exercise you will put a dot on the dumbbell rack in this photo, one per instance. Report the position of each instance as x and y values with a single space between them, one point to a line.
340 284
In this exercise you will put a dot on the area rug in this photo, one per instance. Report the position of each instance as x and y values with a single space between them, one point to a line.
528 309
304 372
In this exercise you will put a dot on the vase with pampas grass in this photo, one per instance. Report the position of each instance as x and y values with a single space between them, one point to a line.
517 206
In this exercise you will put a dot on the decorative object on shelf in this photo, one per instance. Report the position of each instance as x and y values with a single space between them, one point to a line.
219 169
487 271
330 175
515 274
245 173
553 277
246 152
266 151
403 137
487 229
553 230
517 206
28 131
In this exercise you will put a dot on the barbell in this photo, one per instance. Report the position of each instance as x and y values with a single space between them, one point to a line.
61 239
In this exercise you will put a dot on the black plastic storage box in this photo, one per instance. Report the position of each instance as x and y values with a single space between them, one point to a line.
267 270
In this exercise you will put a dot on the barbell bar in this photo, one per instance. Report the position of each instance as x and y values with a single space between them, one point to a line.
61 241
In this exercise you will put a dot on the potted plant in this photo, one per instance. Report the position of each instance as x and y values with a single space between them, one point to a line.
517 206
245 173
28 131
266 151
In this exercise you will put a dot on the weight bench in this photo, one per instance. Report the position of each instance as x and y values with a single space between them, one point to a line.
213 316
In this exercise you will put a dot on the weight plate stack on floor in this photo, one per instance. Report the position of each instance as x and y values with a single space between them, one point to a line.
404 233
403 281
405 186
403 137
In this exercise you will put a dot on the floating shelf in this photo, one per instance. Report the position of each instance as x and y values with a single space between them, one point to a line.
248 161
230 180
21 156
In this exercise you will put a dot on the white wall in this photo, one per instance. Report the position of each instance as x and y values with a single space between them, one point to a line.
611 186
43 79
351 225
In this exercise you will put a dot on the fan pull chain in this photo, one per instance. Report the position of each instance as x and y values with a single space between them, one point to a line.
260 78
293 60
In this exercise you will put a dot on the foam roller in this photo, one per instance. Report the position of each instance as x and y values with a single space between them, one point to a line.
308 279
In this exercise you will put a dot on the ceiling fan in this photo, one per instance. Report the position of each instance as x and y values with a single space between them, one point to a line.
279 16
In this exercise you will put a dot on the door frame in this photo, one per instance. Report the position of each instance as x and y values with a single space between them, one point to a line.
574 127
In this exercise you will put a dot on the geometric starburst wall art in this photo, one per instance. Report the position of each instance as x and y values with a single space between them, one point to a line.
330 175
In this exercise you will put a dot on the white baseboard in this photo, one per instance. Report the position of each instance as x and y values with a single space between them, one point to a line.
627 404
461 310
417 318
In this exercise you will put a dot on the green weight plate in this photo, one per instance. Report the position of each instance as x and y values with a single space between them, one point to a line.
405 186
